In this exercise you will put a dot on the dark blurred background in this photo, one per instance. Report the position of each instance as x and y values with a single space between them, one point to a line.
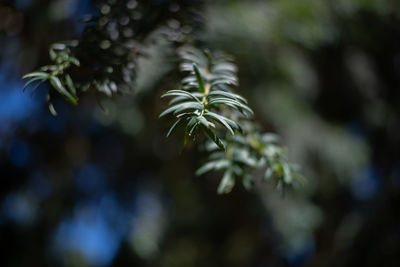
95 188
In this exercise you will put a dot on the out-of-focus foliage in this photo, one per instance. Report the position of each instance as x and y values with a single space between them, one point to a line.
246 153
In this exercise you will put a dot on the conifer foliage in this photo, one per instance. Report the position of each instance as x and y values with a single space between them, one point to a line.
203 105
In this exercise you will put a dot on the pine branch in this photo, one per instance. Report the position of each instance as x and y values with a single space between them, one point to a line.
206 99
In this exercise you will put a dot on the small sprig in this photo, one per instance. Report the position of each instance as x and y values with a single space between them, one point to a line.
56 75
